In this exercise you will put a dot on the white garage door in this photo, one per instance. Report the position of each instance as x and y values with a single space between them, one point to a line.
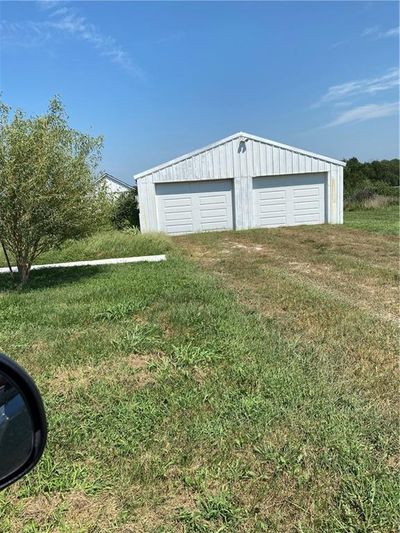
289 200
191 207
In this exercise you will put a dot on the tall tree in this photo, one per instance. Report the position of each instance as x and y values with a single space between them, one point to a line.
47 186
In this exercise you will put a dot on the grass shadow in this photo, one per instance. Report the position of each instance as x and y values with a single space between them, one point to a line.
50 277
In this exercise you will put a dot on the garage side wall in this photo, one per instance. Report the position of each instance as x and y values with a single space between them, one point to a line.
147 205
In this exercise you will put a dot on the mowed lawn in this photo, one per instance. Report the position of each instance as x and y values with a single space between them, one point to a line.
385 220
248 383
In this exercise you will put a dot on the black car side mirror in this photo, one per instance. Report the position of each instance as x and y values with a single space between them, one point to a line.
23 427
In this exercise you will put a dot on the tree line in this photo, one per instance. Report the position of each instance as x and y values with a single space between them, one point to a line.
370 178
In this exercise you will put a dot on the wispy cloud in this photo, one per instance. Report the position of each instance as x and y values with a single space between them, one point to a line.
370 31
337 44
375 32
49 4
340 99
68 21
365 112
24 34
64 20
392 32
368 86
343 103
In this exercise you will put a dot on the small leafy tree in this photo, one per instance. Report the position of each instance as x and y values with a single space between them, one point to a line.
125 210
47 186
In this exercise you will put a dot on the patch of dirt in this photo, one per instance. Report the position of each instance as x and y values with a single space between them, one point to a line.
66 380
88 512
40 509
163 513
39 346
76 511
255 248
166 326
394 462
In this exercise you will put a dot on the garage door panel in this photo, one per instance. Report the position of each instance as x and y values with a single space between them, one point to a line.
305 219
213 213
177 208
302 215
212 200
305 192
276 217
178 216
179 226
277 201
180 229
217 221
269 221
289 200
313 204
201 206
272 195
272 208
267 203
210 219
213 226
177 202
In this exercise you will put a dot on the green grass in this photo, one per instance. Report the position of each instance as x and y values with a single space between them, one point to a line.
385 220
174 405
104 245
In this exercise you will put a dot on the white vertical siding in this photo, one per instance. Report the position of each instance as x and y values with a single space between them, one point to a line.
226 161
141 187
340 196
333 196
147 203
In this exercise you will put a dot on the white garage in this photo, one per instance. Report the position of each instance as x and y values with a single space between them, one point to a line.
241 182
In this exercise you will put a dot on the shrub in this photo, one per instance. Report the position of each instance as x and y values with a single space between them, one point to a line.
125 213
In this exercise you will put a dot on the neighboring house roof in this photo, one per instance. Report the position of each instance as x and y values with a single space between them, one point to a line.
242 136
109 177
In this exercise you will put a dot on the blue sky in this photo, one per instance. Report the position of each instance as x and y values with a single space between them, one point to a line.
161 79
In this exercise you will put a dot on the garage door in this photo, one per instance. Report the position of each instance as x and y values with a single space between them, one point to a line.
196 206
289 200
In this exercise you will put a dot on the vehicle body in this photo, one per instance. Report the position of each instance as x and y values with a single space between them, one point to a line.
23 426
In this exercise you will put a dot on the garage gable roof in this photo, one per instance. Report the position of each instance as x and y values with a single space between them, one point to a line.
241 135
